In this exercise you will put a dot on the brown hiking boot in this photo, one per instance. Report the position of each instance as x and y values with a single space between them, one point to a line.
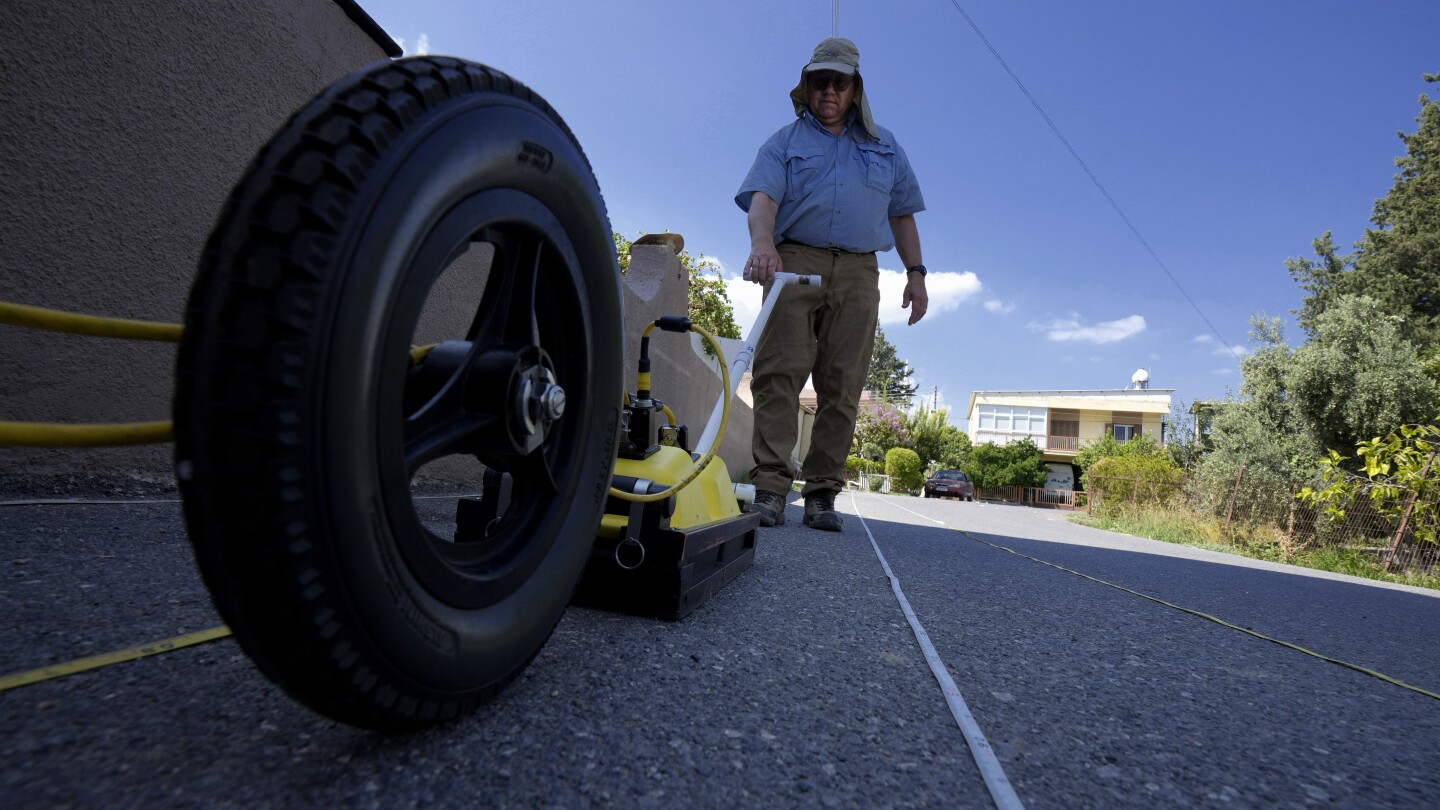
820 511
770 506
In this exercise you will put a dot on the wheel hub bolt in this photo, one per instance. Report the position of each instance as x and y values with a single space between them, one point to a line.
552 402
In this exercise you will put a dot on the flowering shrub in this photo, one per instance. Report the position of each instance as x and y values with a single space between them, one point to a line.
880 426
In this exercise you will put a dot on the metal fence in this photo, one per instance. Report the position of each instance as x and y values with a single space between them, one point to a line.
1254 510
1038 497
870 482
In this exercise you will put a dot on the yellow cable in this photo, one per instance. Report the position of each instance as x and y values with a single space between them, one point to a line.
56 321
106 659
1356 667
704 462
51 434
669 414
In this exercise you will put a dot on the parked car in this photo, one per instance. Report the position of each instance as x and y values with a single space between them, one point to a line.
949 484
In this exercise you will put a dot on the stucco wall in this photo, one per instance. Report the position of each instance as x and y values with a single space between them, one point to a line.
125 125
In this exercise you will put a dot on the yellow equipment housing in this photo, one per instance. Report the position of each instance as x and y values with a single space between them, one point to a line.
707 499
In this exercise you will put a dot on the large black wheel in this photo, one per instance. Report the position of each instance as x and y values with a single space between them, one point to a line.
429 201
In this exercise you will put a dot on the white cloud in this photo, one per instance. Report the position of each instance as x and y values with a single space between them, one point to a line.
422 46
1071 329
1219 349
745 299
947 292
999 307
1223 372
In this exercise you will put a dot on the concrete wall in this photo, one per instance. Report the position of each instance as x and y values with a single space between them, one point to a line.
125 125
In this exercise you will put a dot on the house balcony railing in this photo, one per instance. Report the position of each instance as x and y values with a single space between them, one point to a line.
1071 443
1062 444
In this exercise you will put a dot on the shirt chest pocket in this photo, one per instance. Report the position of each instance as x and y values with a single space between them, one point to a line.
879 166
803 169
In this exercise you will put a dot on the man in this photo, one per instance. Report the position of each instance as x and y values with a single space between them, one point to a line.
826 193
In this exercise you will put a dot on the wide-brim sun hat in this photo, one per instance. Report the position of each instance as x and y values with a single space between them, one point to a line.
840 55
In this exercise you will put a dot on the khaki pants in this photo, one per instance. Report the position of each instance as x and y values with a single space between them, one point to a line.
824 332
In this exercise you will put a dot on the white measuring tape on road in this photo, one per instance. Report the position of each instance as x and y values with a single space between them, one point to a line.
994 775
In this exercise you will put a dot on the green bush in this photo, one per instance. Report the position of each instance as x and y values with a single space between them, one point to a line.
1108 446
905 470
1018 464
854 465
1120 481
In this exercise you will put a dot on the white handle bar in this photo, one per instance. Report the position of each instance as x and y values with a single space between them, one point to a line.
743 359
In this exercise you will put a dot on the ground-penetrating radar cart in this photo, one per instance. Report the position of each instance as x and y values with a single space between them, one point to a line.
309 397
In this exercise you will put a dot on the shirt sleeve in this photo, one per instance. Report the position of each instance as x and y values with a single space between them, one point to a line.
905 195
767 175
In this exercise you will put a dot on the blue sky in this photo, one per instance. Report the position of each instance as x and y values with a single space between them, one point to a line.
1231 133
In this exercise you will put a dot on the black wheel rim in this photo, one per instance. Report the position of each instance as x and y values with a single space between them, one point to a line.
492 395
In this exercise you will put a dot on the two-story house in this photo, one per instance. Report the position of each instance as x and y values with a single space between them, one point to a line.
1058 421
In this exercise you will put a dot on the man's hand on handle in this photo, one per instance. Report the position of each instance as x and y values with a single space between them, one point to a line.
763 264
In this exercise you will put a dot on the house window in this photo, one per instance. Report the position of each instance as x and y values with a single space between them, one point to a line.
1125 425
1004 423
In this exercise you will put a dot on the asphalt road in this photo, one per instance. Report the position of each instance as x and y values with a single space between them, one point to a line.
801 684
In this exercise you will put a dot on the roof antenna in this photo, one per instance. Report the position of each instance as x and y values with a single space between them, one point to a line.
834 18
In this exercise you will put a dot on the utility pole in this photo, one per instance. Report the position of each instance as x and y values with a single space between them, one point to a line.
834 18
935 398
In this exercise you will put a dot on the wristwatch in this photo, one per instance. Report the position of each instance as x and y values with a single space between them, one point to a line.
919 268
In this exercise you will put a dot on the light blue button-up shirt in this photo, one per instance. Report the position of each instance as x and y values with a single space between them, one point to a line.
833 191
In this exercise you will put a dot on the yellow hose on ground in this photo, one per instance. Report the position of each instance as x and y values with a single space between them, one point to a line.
49 434
53 320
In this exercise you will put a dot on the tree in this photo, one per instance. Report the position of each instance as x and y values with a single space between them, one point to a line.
1017 464
1358 377
939 444
1262 429
1397 262
955 451
889 376
1183 439
708 302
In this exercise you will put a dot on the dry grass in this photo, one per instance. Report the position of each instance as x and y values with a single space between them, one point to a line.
1178 524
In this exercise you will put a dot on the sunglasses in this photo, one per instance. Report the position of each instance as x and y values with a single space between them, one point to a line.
840 83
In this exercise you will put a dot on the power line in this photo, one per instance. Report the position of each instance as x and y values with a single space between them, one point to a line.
1083 165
